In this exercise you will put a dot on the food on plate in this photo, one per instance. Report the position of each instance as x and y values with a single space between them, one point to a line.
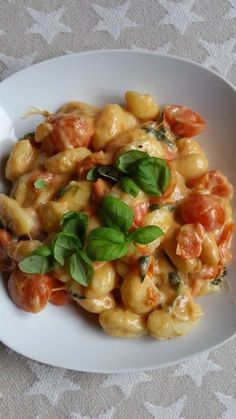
115 209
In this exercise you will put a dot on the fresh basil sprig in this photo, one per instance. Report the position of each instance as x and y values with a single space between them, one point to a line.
35 264
64 244
114 241
75 223
107 172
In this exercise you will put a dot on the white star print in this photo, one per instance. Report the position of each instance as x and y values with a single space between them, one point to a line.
50 382
164 49
221 56
126 382
229 403
232 12
106 415
113 20
14 64
47 24
179 14
170 412
197 368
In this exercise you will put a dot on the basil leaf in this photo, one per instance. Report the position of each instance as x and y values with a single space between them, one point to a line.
64 244
81 268
42 251
103 250
116 214
144 235
129 186
108 172
28 135
75 223
62 191
169 207
36 264
40 184
106 233
125 160
92 174
143 265
152 175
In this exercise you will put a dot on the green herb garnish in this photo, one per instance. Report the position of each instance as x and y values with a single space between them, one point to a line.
159 134
169 207
219 279
40 183
143 265
125 160
81 268
128 185
152 175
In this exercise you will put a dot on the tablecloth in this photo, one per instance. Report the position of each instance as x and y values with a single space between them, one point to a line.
204 31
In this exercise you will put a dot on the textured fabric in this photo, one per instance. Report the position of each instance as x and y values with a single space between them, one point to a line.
205 31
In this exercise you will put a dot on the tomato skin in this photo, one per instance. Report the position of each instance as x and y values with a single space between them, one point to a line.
213 182
189 241
61 297
139 210
30 292
6 263
68 131
182 121
204 209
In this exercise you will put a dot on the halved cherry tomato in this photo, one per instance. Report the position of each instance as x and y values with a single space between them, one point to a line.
6 263
207 210
60 297
189 241
31 292
213 182
183 122
68 131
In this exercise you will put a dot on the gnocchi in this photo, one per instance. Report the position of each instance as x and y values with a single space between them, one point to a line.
115 209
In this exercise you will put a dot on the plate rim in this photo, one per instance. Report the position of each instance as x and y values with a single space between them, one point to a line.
128 52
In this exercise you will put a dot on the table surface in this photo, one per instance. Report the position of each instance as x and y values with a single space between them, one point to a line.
204 31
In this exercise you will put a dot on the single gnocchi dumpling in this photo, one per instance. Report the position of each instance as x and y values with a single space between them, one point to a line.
142 106
111 121
122 323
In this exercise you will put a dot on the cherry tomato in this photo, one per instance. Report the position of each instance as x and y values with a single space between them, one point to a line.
183 122
6 263
189 241
215 183
31 292
140 210
204 209
68 131
61 297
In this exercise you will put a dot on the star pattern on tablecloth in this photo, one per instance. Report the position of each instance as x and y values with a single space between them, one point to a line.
172 411
50 383
106 415
232 12
229 403
126 382
163 49
113 19
14 64
180 14
47 24
220 56
197 368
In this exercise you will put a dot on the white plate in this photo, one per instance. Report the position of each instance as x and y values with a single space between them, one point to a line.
68 337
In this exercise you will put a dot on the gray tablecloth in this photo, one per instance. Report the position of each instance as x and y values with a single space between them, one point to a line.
202 30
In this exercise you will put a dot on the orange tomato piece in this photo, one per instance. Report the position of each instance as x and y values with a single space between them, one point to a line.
207 210
189 241
215 183
224 243
182 121
30 292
